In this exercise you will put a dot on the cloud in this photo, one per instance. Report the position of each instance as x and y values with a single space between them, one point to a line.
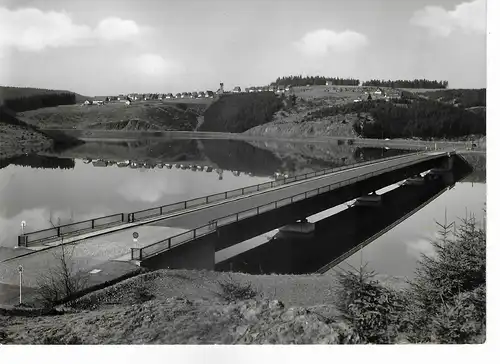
469 17
322 41
420 246
34 30
150 187
116 29
150 64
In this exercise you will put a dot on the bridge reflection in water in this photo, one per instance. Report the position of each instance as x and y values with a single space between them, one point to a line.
338 236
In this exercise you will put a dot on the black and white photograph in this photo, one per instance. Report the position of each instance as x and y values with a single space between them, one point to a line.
244 172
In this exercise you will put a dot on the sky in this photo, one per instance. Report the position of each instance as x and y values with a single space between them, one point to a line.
107 47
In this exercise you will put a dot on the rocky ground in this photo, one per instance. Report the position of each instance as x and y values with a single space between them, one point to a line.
16 140
292 125
289 123
192 307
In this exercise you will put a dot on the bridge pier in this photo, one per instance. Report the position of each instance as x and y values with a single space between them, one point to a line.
371 199
301 227
416 180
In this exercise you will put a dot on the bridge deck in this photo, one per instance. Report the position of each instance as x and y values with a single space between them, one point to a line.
96 248
202 216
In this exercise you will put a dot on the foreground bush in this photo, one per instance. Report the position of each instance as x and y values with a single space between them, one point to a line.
445 303
448 294
373 311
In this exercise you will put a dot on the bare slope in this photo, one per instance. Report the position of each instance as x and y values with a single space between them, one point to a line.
291 122
117 116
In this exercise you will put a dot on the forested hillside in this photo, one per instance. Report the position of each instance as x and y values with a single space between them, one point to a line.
406 118
237 113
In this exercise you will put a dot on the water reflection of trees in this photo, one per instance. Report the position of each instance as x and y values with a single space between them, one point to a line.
371 153
239 157
46 162
235 155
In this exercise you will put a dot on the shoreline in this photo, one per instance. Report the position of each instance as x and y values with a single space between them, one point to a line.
117 136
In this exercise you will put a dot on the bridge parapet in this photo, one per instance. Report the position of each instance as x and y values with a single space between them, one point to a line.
171 243
94 225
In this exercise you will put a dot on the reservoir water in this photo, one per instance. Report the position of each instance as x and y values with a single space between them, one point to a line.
70 187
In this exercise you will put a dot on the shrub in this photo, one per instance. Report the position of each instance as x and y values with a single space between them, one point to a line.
60 281
141 294
372 310
447 296
233 292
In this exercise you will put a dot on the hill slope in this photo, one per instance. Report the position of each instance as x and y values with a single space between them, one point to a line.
240 112
17 137
116 116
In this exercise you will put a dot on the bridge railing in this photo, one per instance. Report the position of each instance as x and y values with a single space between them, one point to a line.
205 200
68 230
171 242
76 228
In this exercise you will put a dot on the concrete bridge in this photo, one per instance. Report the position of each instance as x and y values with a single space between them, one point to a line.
189 235
164 227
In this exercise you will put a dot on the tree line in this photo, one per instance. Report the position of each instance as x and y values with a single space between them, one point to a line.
33 102
426 119
313 80
420 83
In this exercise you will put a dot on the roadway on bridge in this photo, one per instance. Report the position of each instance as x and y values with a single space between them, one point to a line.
221 209
115 245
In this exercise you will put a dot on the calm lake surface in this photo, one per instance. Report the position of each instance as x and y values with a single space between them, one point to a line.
67 187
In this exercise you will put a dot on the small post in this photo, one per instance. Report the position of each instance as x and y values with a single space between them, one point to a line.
20 268
161 210
92 223
135 237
